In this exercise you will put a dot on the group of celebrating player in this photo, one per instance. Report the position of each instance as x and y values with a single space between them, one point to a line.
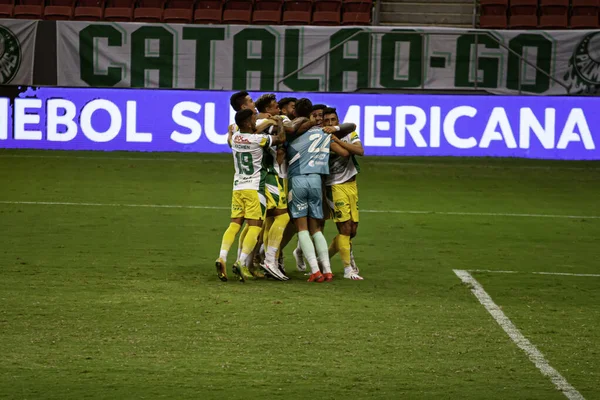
297 144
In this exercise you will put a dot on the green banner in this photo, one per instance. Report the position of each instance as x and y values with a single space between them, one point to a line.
305 59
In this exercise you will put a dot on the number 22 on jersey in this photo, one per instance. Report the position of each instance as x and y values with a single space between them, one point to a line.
319 143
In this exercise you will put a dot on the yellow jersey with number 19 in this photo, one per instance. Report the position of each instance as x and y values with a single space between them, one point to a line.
248 150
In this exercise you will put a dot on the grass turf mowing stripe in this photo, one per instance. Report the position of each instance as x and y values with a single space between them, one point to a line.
399 163
478 214
516 336
537 273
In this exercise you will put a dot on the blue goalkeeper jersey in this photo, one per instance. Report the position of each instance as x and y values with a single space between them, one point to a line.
309 153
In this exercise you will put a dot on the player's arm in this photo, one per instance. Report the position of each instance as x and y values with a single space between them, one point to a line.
341 130
230 134
299 127
354 148
338 149
264 125
281 137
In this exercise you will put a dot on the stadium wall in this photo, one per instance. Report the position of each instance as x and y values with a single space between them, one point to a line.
298 59
41 115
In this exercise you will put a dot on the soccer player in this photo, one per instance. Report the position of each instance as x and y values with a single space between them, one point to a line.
317 113
243 101
308 158
287 105
317 116
248 201
276 193
342 194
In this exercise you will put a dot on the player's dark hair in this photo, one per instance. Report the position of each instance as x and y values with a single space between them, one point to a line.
263 102
319 107
330 110
241 117
285 101
237 100
304 107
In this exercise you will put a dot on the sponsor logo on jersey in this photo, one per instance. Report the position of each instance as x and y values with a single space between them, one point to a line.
240 139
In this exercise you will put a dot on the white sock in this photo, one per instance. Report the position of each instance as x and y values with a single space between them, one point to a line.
348 271
249 259
243 258
270 255
223 255
309 250
299 249
322 249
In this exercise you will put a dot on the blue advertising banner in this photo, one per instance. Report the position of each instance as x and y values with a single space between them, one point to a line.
566 128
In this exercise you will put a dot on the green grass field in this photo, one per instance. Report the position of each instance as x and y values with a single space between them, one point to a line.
103 300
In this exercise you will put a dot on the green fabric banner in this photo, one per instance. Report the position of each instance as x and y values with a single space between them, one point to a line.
344 59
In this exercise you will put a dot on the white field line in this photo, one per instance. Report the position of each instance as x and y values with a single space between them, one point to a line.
516 336
536 273
379 162
62 203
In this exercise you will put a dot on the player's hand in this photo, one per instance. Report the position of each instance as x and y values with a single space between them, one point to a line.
329 129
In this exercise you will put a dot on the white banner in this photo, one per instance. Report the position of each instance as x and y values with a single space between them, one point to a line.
327 59
17 45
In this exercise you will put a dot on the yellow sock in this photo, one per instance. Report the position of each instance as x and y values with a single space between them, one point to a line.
266 228
228 239
333 248
241 241
249 243
275 237
343 244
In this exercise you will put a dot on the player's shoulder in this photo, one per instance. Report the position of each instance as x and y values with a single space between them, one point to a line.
286 121
353 137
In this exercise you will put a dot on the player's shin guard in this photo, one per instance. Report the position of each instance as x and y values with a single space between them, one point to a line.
241 241
299 250
275 237
266 229
333 248
308 249
322 251
249 243
343 244
228 239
